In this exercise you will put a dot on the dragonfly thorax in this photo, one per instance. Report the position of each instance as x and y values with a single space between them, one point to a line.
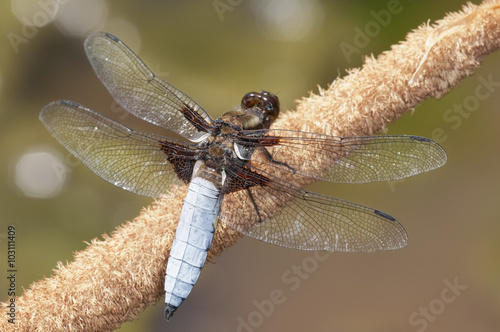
219 152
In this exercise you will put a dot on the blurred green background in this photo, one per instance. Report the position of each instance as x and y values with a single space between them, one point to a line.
215 51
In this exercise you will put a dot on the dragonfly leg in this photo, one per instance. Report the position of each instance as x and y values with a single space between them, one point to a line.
254 204
271 159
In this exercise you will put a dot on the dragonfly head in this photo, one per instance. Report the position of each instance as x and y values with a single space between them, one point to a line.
266 102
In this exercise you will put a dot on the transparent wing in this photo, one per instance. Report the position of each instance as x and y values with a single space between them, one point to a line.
343 159
285 215
142 163
134 86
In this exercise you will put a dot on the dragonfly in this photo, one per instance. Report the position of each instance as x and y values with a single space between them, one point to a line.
238 170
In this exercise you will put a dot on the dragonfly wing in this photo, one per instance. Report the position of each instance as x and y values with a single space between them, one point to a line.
344 159
134 86
285 215
142 163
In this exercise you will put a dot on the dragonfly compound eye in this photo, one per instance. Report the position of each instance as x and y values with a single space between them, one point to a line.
271 104
251 99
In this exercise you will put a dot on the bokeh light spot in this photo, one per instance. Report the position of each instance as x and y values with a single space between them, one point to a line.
288 20
35 12
40 174
81 17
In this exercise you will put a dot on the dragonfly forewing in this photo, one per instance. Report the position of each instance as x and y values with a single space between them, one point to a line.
345 159
133 160
137 89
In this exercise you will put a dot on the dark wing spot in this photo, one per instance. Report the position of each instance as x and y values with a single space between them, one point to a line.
384 215
110 36
71 103
421 139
